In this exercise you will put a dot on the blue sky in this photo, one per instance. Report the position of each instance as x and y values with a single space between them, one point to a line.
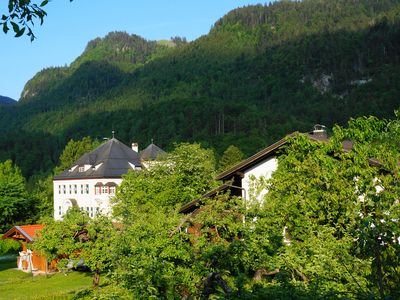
70 26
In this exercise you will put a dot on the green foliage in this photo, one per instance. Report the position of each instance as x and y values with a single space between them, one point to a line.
185 174
43 193
231 156
153 260
339 210
193 168
9 246
125 51
24 14
21 16
14 200
154 256
43 82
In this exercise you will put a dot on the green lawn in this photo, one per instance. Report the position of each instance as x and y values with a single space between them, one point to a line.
15 284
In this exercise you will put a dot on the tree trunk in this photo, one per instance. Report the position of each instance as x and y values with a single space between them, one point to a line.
96 278
302 276
379 273
210 288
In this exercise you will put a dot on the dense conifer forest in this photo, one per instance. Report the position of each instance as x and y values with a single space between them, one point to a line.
261 72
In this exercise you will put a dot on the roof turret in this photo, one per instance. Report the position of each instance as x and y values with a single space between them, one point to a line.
152 152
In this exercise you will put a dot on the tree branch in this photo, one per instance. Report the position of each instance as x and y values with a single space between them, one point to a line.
258 275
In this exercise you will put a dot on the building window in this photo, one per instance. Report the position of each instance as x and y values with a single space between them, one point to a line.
97 210
70 188
87 189
97 190
59 188
81 188
91 212
112 190
87 209
64 189
104 189
75 189
81 169
59 210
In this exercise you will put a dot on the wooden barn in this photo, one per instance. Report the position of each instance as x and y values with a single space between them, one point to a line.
27 260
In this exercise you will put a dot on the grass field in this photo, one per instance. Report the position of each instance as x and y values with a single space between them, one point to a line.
15 284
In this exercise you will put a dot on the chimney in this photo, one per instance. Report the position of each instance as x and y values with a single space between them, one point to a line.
320 130
135 147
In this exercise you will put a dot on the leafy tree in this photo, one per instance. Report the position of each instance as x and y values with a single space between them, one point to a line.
232 155
78 239
15 204
21 16
155 258
43 193
185 174
338 210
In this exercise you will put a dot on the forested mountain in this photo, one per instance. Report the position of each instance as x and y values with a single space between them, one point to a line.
261 72
6 101
104 60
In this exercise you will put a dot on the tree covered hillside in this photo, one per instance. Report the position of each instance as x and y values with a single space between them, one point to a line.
261 72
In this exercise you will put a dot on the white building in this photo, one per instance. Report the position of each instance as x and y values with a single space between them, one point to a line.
92 180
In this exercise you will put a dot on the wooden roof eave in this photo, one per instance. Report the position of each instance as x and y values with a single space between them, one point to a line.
254 159
17 233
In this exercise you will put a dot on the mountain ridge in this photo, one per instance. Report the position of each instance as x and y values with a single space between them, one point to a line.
245 83
7 101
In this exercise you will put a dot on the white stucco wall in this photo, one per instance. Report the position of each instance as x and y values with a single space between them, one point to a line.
262 169
90 202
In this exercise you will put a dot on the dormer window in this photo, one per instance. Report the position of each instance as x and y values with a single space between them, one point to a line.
81 169
72 169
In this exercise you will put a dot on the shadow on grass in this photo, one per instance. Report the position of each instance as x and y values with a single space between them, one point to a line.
8 262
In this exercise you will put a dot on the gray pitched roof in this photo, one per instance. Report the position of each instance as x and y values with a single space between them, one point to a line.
115 159
151 152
